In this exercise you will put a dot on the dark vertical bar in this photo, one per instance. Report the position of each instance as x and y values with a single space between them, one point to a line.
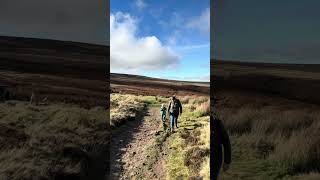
108 90
211 82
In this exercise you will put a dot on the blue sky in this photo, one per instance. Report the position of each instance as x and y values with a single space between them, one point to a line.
164 39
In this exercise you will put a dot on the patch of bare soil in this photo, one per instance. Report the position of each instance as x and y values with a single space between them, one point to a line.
159 167
130 147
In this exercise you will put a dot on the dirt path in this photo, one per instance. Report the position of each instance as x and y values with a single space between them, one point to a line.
130 146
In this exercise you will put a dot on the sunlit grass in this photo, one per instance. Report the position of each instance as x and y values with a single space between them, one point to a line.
191 141
189 147
280 144
33 137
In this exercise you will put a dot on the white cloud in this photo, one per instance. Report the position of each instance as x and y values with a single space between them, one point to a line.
130 53
201 22
140 4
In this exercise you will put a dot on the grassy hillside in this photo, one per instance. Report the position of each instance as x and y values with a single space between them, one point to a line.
64 133
58 71
274 139
141 85
52 57
45 141
291 81
272 115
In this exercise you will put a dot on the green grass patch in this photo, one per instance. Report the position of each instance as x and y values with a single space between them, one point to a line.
149 100
189 148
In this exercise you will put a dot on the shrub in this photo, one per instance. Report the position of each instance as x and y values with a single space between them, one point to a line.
127 107
204 108
194 158
198 99
301 152
185 99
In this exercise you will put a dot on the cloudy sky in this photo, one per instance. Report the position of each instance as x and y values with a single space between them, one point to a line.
285 31
164 39
71 20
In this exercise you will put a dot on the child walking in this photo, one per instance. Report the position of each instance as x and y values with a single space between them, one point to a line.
163 112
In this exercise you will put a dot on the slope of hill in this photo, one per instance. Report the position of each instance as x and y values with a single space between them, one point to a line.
141 85
53 57
63 129
271 112
292 81
56 70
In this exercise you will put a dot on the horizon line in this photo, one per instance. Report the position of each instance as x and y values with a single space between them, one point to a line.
169 79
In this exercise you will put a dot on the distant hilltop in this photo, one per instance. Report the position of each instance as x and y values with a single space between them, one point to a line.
142 85
43 56
292 81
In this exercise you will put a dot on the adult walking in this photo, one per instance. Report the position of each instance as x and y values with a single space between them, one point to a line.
174 109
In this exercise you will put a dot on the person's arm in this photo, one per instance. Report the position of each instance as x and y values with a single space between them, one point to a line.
226 144
169 107
180 107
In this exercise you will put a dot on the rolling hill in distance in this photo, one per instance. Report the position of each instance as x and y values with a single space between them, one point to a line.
291 81
141 85
57 70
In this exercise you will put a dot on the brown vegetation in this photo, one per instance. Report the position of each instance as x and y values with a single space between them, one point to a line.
63 133
53 141
60 71
271 121
139 85
125 108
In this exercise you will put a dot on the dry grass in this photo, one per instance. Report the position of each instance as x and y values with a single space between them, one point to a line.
198 100
185 99
204 108
124 108
310 176
285 136
205 169
42 141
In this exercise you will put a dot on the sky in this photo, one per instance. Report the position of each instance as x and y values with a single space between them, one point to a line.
273 31
163 39
70 20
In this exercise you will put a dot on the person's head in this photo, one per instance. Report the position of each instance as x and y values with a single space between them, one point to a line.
173 97
162 105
